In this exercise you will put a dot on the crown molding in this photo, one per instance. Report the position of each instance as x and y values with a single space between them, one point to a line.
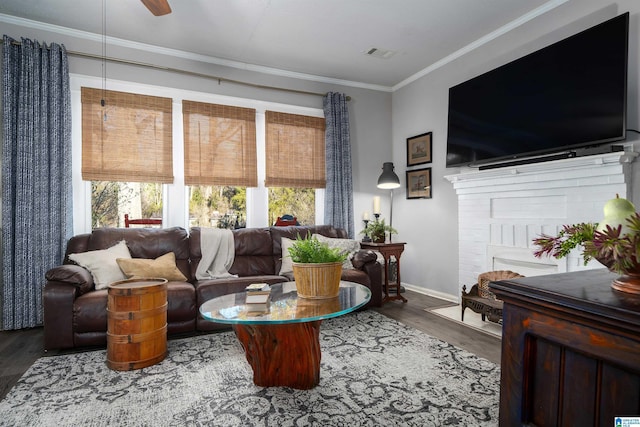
85 35
482 41
114 41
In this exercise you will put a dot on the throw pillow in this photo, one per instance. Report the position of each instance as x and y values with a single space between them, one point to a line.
102 264
163 267
287 263
345 245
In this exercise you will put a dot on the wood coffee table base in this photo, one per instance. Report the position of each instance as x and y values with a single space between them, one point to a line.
285 355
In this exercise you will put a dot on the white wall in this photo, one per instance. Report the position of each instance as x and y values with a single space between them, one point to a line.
430 226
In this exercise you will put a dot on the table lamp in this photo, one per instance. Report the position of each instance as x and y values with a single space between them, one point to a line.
389 180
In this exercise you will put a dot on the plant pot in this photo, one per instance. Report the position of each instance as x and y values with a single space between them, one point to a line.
317 307
317 281
378 238
629 281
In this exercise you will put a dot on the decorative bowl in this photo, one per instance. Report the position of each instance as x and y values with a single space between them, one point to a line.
629 279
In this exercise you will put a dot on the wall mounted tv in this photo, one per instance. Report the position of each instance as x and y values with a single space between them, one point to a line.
569 95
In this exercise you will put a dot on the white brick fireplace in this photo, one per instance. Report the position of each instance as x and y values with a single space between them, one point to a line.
501 210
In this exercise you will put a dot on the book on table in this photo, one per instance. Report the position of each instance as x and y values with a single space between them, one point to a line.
254 298
258 288
257 302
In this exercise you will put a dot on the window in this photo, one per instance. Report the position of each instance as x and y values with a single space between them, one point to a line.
298 202
248 201
110 201
220 145
138 128
295 151
217 206
295 164
220 162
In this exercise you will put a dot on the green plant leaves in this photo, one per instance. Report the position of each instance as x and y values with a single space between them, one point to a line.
619 252
312 251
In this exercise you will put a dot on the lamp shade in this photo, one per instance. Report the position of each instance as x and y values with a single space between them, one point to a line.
388 179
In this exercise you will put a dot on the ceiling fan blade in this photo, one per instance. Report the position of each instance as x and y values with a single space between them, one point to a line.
157 7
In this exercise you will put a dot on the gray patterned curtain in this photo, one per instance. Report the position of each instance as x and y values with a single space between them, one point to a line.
338 202
36 174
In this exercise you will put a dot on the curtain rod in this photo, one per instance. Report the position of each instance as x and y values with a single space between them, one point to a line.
179 71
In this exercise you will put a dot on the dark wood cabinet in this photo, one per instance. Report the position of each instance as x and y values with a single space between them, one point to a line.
570 350
389 250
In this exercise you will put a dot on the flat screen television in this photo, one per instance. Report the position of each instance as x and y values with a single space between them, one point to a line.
571 94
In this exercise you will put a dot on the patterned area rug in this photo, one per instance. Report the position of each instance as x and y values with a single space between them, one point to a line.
374 371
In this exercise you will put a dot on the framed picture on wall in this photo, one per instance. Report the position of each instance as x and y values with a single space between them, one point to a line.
419 184
419 149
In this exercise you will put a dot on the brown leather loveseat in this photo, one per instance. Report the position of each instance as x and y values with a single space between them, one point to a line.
75 313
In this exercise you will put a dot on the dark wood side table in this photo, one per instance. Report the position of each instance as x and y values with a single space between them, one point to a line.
570 350
388 250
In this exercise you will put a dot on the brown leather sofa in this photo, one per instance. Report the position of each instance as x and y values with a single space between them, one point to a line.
75 314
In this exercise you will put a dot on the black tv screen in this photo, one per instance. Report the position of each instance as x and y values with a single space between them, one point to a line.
568 95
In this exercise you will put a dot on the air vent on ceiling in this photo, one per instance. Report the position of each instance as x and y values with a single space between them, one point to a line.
379 53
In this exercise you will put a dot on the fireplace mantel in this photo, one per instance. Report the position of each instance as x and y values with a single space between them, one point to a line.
575 163
500 211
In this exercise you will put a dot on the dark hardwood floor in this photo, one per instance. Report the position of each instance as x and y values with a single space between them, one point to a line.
19 349
413 314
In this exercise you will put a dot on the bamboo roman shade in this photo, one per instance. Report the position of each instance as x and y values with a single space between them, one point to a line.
220 145
127 139
295 151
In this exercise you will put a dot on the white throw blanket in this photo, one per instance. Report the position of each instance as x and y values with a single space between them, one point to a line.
218 253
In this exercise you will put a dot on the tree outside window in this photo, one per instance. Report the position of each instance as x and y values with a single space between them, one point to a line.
217 206
298 202
110 201
226 207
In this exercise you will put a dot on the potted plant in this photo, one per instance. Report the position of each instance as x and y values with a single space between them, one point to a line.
614 242
317 268
377 230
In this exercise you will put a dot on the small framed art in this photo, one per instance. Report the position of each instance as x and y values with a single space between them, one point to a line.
419 149
419 184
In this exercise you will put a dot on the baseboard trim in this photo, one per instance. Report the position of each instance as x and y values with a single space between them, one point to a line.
430 292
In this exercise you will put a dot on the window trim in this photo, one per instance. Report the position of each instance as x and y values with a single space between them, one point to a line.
175 196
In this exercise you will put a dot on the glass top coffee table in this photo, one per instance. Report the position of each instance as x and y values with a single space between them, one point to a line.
283 345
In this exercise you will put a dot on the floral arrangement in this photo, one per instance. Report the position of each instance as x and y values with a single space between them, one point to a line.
615 242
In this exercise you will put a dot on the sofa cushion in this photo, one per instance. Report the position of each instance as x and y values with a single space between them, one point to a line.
362 257
253 252
287 263
147 243
292 232
75 275
162 267
208 289
90 312
181 307
348 246
357 276
102 263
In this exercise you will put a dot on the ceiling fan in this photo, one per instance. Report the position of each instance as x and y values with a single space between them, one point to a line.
157 7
